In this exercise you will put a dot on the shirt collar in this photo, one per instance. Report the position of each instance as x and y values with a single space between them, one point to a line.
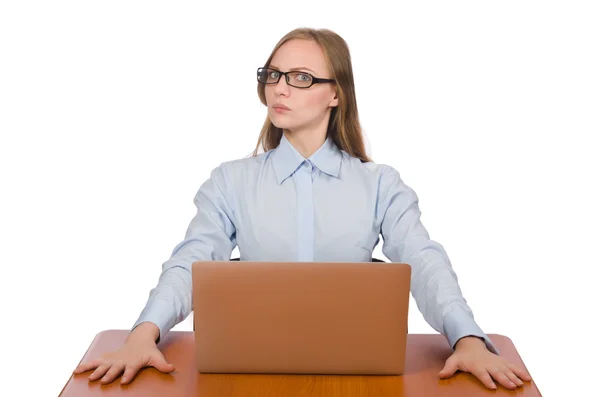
328 159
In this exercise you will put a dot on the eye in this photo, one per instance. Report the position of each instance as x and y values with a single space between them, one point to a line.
303 77
273 74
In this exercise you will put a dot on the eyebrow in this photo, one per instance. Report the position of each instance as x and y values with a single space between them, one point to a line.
298 68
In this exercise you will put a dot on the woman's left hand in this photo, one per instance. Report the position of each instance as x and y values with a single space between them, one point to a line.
471 355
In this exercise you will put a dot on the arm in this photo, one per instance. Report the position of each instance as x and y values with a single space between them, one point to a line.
434 284
210 236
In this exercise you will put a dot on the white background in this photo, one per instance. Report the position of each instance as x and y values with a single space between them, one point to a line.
113 113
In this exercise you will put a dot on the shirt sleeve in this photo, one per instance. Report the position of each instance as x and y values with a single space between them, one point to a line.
210 236
434 283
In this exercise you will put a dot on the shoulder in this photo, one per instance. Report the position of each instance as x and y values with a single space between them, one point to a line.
243 166
371 169
234 172
385 179
228 176
237 165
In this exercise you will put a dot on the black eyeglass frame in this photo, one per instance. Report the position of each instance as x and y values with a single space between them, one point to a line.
315 80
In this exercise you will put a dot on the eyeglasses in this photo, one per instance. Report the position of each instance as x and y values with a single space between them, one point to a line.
293 78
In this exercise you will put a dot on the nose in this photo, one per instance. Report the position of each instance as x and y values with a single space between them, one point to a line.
282 87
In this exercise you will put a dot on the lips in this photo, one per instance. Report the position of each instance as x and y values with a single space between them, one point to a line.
280 106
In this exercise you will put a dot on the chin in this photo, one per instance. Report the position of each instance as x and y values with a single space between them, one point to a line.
279 123
283 126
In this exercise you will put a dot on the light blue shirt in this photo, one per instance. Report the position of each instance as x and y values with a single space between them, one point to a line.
279 206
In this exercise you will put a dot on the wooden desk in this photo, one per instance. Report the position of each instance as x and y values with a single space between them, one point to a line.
426 355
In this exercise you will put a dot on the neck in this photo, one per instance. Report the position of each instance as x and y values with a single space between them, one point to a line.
308 141
306 144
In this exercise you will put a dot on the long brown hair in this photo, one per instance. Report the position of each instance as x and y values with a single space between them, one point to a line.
344 127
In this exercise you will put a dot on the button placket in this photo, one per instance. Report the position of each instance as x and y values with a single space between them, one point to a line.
305 212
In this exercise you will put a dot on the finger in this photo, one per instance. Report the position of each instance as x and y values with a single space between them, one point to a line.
485 378
83 367
520 372
449 369
100 371
129 374
113 372
162 365
501 378
514 378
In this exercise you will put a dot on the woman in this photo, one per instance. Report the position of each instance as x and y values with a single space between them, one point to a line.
314 195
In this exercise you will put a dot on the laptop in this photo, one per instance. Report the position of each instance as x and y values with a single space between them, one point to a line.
300 317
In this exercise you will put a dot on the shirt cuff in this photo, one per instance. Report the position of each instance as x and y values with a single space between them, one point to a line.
156 312
459 323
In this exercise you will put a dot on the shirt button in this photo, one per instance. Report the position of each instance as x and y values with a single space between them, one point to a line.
307 166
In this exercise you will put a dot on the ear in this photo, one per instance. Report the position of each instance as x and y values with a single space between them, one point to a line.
335 101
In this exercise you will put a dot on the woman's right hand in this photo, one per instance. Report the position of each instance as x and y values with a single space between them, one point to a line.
135 354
